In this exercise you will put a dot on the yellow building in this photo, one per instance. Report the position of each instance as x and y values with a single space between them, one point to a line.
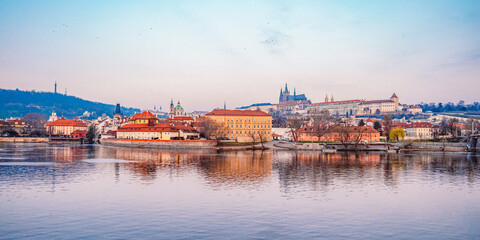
244 125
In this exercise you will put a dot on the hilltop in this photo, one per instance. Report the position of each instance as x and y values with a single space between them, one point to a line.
17 103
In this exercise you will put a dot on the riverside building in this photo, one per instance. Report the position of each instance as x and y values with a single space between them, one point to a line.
244 125
65 127
146 126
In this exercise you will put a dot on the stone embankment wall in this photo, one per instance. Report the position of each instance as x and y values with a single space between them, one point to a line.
178 144
433 146
23 140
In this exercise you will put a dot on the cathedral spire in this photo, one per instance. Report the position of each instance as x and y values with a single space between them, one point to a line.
286 88
331 99
326 97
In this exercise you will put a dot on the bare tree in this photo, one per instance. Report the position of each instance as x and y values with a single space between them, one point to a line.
35 120
452 127
444 127
263 137
344 135
320 122
253 136
214 130
357 135
294 124
472 126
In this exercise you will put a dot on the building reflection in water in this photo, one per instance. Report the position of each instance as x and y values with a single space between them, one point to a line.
237 168
320 172
295 170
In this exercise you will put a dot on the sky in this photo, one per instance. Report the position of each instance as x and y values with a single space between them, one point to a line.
145 53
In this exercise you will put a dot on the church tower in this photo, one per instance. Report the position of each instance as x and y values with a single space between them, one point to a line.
178 110
394 98
326 97
172 113
331 99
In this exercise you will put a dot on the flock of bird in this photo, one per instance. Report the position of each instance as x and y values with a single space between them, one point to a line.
269 42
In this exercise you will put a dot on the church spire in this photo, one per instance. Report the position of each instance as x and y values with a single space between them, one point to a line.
224 105
331 99
286 88
326 97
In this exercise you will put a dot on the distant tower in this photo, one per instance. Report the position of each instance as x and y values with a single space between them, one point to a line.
178 111
294 92
224 105
284 95
326 97
118 111
331 99
394 98
55 86
117 114
172 113
65 91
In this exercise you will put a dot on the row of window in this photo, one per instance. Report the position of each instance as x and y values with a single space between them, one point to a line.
247 132
248 126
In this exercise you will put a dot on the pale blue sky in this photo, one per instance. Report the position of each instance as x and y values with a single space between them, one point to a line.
143 53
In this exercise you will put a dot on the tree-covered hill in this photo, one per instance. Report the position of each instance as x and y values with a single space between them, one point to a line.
17 103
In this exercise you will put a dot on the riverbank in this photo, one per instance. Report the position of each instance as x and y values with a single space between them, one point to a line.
401 146
23 140
176 144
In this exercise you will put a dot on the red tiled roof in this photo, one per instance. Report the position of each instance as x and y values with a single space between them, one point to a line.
143 115
181 118
419 125
16 121
399 124
394 96
65 122
346 101
220 112
159 127
78 131
377 101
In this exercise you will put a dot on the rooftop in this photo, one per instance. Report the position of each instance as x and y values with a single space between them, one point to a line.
220 112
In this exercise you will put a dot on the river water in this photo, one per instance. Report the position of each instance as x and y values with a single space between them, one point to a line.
92 192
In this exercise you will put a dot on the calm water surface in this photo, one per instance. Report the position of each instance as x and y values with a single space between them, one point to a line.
63 192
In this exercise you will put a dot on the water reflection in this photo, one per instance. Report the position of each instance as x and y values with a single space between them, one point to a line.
239 167
147 193
317 170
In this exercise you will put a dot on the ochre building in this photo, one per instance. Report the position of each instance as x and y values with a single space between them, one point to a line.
244 125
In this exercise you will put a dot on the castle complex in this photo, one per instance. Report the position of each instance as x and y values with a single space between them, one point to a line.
285 95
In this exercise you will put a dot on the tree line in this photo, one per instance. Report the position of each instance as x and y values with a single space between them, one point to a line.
450 107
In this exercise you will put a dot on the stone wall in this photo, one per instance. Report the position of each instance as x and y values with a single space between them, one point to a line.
23 140
177 144
433 146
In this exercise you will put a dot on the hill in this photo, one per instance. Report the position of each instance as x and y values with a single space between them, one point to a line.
17 103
